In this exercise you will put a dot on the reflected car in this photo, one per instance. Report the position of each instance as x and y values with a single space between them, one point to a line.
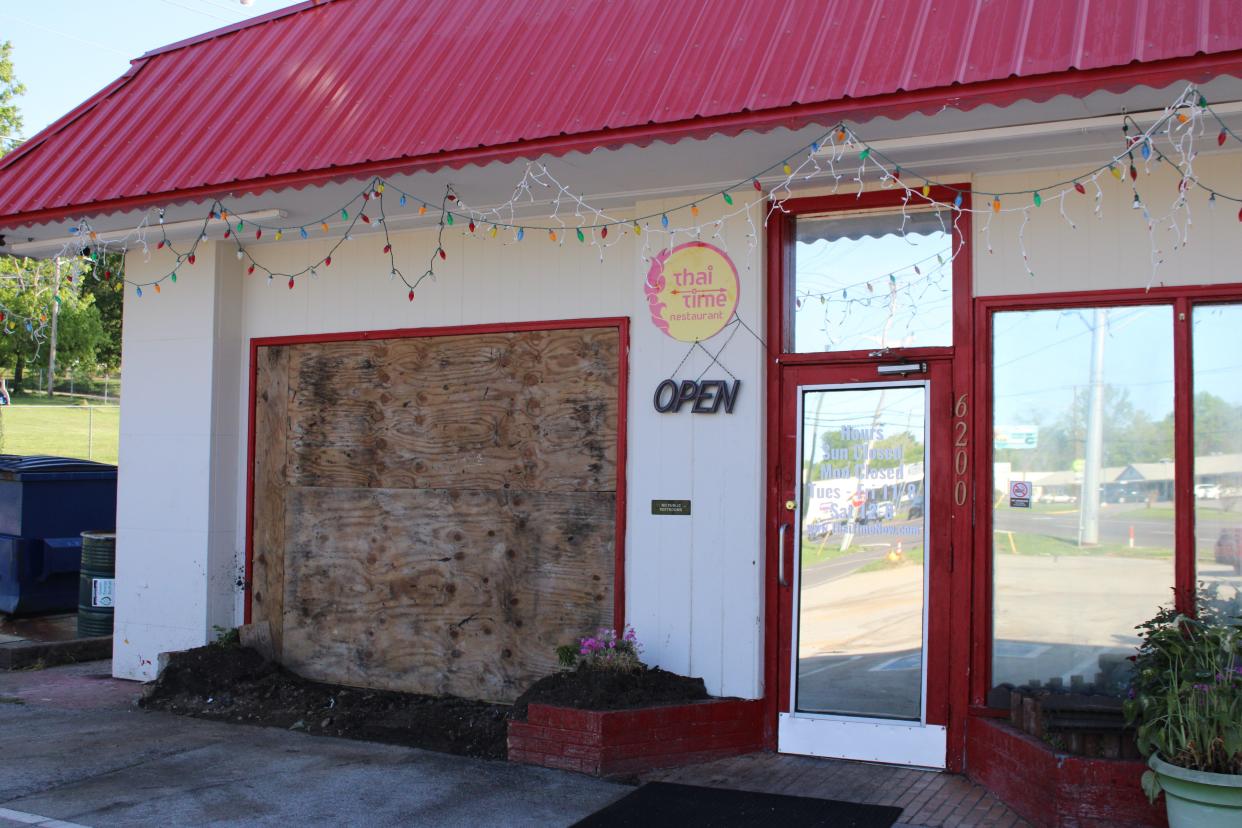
818 529
1207 491
1229 549
1120 495
916 508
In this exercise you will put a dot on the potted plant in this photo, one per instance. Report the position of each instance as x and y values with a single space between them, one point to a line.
1185 700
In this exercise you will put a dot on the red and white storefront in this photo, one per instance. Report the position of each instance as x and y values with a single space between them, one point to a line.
850 554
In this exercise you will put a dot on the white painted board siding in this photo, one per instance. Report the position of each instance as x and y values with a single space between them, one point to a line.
692 584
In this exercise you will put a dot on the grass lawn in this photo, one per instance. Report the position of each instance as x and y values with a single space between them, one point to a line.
62 426
1031 544
1042 508
824 549
913 557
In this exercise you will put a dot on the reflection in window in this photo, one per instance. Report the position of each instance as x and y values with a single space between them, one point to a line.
873 280
1083 412
861 552
1218 453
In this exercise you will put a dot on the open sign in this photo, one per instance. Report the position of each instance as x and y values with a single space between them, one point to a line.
707 396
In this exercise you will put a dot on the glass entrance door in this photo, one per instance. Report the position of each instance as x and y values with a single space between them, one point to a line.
859 533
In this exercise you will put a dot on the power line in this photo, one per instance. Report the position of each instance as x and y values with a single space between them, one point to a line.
198 11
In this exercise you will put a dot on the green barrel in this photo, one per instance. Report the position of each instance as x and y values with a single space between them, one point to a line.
96 580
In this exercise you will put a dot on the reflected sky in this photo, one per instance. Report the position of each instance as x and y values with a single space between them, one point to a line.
862 282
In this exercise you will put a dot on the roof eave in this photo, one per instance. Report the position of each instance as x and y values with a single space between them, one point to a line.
1075 83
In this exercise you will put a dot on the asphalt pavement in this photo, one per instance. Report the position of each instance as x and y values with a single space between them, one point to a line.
75 750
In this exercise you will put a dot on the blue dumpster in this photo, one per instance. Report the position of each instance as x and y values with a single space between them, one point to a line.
45 505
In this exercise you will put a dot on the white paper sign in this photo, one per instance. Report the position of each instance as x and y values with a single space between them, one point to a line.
101 592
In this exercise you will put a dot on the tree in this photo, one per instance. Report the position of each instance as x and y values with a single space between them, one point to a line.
26 296
10 115
109 297
1130 436
89 318
1218 425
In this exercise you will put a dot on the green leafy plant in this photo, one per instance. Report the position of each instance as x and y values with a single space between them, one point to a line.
226 637
1185 696
567 656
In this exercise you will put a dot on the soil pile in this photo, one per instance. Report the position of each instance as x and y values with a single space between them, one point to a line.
231 683
597 689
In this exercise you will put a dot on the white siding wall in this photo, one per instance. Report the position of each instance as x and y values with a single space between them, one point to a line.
1112 251
175 521
692 583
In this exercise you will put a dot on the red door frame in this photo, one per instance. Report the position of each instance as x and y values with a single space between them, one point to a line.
1182 300
621 323
937 488
949 596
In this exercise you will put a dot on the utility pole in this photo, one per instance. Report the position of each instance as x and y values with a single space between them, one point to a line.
1093 462
51 351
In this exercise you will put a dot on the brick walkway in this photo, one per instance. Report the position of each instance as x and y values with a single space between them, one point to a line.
930 799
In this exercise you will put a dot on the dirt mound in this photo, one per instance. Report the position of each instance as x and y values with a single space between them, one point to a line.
588 689
230 683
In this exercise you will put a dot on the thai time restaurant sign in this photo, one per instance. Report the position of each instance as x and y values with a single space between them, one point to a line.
692 291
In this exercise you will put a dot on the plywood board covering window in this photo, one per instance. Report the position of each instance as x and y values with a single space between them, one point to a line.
435 514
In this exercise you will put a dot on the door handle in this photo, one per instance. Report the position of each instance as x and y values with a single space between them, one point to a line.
780 555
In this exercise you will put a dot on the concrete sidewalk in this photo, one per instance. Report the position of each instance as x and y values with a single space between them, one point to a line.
75 749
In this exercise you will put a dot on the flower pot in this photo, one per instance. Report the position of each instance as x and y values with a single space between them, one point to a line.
1198 799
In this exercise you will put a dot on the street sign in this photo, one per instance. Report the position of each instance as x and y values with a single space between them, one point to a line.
1015 437
1019 494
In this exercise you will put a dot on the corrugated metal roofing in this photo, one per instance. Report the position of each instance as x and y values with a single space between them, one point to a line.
334 85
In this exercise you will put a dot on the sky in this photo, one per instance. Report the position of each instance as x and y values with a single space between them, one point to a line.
64 51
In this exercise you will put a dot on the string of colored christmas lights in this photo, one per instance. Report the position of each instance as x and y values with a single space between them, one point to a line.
826 156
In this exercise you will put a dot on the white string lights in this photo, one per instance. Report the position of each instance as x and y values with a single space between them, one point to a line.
839 157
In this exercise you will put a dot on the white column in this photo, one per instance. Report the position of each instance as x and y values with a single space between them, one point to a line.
176 546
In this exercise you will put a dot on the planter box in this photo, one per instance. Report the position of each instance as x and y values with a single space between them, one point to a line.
1085 725
612 742
1053 789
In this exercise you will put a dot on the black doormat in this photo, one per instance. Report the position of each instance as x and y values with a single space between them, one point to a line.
658 804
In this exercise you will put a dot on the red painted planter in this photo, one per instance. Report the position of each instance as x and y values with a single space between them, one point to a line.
611 742
1055 790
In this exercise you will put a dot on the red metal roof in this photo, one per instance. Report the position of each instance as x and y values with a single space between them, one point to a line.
354 87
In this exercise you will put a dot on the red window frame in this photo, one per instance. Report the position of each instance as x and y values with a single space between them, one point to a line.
1182 300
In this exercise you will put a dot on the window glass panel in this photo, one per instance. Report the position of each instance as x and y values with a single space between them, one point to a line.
865 281
1217 346
1083 414
861 582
